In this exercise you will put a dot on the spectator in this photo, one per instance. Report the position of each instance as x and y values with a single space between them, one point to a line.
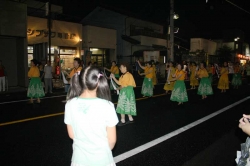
2 77
48 77
91 119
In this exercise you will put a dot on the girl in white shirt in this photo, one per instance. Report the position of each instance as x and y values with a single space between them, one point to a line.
91 119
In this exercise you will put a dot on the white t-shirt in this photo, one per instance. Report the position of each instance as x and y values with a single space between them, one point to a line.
48 72
89 118
230 69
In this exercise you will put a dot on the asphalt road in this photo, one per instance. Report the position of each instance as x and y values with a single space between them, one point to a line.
36 134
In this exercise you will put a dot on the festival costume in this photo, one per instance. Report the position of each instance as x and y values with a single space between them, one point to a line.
210 74
205 87
170 84
193 80
126 101
237 78
223 81
147 86
35 89
179 92
75 70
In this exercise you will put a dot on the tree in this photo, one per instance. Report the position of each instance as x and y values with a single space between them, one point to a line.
225 53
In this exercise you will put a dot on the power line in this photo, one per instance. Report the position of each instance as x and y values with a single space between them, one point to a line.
237 6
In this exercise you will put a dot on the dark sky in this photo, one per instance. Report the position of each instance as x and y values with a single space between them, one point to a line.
197 18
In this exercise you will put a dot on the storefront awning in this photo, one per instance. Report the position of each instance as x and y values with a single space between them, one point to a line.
130 40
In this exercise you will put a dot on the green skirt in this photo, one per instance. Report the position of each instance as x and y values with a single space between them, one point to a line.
210 77
115 84
179 93
126 101
35 89
237 79
205 87
147 87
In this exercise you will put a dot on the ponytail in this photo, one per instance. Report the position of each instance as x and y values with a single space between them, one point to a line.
75 89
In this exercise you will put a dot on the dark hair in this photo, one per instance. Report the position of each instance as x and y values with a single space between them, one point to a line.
125 65
204 64
150 63
78 60
90 78
34 61
90 63
114 62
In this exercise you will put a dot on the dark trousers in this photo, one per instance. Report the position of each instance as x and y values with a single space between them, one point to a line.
248 79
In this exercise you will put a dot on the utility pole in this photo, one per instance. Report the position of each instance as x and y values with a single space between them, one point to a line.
48 13
171 57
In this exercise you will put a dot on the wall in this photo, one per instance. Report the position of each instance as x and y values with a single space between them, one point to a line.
9 58
200 44
13 46
12 19
144 24
101 17
97 37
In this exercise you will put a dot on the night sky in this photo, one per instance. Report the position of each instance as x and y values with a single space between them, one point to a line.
197 18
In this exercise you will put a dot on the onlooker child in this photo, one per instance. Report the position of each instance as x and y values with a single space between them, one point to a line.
91 119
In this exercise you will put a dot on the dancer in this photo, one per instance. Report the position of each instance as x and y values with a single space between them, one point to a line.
114 70
223 81
77 67
237 79
35 89
147 86
179 92
205 87
169 85
126 101
193 81
91 119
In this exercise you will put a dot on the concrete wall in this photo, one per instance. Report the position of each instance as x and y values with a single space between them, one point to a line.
13 46
99 37
200 44
143 24
12 18
101 17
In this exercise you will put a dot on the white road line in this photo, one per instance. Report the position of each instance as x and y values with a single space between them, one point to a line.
150 144
29 99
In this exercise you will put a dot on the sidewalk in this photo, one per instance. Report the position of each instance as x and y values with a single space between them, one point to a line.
15 89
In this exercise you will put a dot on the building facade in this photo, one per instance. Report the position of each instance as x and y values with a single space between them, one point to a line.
133 35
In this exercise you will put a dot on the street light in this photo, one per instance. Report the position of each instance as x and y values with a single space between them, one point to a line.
236 39
172 17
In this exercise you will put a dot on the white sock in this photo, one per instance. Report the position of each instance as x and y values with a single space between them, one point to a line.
123 120
130 118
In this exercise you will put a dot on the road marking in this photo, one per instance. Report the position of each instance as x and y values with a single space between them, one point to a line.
29 119
29 99
51 115
150 144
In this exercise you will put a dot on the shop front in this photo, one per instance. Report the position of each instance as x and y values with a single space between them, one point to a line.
243 59
65 41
